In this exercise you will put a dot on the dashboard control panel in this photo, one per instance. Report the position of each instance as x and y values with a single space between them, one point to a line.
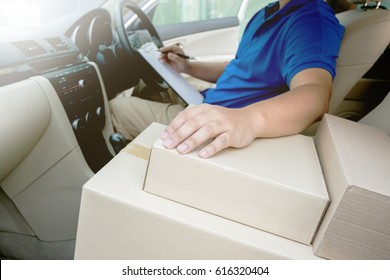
79 89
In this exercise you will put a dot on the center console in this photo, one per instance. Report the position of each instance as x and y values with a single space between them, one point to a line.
79 90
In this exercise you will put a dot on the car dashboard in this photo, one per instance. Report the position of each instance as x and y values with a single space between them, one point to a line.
86 67
56 127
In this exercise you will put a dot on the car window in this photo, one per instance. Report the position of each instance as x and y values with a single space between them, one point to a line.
251 9
169 12
174 11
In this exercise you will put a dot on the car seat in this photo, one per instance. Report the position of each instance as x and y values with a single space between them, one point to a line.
365 39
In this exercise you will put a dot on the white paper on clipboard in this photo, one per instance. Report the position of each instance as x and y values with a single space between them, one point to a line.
176 81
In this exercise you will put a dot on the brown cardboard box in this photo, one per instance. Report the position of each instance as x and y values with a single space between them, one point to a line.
355 159
118 220
274 185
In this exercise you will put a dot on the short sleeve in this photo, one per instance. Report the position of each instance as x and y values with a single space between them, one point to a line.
311 42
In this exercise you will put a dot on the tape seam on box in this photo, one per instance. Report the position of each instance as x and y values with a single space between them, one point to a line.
137 150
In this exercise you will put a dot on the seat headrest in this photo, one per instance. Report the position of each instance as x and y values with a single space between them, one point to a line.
365 31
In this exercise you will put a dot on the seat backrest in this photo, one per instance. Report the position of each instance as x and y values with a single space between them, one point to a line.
367 34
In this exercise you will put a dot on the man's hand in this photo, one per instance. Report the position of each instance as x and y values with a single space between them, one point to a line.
196 125
169 56
206 71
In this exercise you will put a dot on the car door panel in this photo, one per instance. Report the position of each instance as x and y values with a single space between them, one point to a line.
210 35
209 45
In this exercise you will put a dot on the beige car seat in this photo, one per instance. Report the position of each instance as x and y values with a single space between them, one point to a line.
367 34
366 37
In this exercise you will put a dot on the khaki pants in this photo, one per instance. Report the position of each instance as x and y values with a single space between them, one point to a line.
133 114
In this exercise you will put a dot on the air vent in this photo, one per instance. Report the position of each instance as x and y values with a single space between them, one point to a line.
30 48
58 43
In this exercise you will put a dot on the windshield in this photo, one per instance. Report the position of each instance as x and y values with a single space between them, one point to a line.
33 13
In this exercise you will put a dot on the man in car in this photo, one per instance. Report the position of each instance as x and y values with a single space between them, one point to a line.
278 84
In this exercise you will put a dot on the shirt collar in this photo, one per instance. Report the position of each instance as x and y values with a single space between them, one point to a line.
272 9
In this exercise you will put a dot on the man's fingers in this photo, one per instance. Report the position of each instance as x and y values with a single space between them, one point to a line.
171 48
220 143
180 119
203 134
190 128
185 132
174 57
197 125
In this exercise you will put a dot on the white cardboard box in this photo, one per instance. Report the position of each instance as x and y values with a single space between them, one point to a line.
118 220
356 162
275 185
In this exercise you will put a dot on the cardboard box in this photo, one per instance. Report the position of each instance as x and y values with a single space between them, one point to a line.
356 162
118 220
274 185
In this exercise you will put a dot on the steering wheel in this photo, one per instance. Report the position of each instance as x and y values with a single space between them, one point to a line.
136 39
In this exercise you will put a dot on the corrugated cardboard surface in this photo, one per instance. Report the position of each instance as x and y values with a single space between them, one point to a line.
274 184
356 163
118 220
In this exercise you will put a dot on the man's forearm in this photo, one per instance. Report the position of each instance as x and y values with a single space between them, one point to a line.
207 71
293 111
289 113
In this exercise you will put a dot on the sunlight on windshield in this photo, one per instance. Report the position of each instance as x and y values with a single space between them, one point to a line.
40 12
25 13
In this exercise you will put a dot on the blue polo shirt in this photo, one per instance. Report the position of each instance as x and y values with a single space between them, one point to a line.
276 45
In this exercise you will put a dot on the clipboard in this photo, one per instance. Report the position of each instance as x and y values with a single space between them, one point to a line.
176 81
